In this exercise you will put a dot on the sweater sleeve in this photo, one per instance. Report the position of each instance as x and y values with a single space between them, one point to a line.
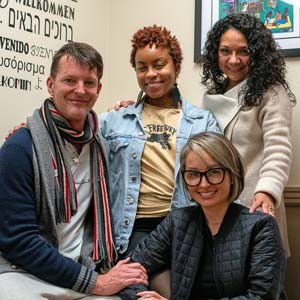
276 119
21 242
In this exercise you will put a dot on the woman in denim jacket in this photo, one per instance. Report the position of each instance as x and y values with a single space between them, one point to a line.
146 138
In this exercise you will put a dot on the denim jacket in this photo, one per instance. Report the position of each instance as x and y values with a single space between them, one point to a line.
124 132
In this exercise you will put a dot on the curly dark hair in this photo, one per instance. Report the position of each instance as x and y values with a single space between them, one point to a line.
160 37
267 66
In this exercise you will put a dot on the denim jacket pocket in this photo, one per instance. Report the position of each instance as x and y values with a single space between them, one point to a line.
115 144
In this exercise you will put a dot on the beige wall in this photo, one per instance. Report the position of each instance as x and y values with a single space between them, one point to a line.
109 25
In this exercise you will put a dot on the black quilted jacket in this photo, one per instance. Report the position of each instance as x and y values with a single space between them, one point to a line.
249 260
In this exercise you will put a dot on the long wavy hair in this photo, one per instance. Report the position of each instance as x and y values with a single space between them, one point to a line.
266 65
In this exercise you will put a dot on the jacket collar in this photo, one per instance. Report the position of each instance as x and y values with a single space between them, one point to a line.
229 220
188 110
224 106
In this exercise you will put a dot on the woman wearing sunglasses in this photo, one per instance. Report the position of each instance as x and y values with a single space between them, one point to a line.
217 249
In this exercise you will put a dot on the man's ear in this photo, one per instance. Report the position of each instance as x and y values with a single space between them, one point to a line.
99 88
50 83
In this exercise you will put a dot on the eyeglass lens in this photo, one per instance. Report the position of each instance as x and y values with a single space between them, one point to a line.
213 176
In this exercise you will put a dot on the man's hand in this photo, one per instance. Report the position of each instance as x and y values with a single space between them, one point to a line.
265 201
119 277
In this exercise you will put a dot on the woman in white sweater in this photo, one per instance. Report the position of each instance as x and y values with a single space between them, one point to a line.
247 91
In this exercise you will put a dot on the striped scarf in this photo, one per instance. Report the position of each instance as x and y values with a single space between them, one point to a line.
66 199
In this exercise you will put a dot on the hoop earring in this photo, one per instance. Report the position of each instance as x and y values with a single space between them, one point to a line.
140 98
176 95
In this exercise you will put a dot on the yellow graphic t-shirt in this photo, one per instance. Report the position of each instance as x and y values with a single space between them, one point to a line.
158 161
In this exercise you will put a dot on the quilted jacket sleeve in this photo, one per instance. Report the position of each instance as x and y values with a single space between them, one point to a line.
266 263
154 253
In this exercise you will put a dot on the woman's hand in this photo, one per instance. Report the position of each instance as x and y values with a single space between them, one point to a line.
150 295
122 103
12 131
265 201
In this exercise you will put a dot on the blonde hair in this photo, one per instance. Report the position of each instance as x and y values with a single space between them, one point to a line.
221 150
